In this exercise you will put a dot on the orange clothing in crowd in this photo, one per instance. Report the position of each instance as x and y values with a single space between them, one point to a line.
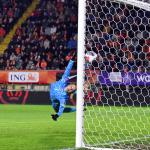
18 50
43 64
2 32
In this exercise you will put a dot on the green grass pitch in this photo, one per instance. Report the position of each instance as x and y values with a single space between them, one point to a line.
118 127
30 127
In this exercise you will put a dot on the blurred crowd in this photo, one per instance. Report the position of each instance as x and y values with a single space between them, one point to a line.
46 39
10 12
118 33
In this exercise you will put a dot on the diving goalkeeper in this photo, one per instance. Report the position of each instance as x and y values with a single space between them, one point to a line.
60 92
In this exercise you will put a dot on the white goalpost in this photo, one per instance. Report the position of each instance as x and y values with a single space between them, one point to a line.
80 70
117 98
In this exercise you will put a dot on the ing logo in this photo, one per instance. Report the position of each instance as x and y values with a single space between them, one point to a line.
13 97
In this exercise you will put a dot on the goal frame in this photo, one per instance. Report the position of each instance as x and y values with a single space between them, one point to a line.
80 66
80 72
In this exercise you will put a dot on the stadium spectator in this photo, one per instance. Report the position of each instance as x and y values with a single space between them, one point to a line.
123 33
10 11
49 33
2 33
43 64
2 64
72 43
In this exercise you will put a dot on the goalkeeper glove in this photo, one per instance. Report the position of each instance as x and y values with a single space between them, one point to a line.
54 117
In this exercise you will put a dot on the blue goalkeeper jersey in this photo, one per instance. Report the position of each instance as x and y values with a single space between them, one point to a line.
57 89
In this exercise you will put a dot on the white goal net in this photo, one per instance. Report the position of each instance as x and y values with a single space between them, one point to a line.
117 100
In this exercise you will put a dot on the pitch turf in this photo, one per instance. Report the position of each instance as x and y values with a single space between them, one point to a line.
29 127
118 127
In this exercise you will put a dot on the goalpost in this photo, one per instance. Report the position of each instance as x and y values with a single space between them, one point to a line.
117 100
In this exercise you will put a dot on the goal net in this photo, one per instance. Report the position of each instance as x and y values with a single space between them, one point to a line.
117 92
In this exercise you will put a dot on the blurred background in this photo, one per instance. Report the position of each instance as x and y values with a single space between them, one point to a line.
36 35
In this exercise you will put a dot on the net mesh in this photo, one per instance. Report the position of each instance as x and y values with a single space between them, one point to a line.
117 95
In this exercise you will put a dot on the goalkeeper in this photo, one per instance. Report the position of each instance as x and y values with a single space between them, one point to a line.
60 92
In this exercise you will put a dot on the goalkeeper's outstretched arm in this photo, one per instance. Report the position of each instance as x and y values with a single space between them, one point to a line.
68 70
69 66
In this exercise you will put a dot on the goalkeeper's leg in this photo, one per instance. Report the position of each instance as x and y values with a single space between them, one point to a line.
69 109
56 105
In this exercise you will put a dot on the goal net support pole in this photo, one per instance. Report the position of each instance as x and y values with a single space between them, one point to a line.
80 70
